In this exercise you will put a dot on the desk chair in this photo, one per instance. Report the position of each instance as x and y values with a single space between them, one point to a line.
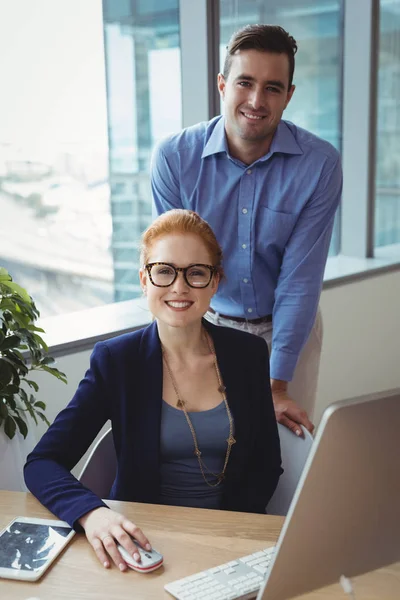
294 451
99 471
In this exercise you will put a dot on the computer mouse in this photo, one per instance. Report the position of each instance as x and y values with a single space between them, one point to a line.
150 559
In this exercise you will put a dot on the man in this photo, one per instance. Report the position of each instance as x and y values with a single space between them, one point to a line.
270 190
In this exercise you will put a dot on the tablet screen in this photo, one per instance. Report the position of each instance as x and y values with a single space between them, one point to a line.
28 546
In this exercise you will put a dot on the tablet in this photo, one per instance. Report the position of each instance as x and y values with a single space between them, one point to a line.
28 546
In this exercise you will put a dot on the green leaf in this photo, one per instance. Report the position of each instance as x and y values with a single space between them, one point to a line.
11 389
22 426
10 401
15 365
47 360
12 341
17 358
44 418
19 332
32 384
3 409
4 274
17 289
21 320
61 376
34 328
10 427
24 396
17 306
18 354
6 371
40 342
28 404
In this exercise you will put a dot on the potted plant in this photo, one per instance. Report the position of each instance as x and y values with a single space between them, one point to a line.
22 350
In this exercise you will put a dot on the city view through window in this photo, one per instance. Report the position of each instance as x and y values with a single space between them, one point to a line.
75 152
90 86
55 225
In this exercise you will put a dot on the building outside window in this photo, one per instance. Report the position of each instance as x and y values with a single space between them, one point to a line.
55 221
81 108
387 184
144 105
83 105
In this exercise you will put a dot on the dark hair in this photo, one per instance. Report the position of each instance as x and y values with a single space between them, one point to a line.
266 38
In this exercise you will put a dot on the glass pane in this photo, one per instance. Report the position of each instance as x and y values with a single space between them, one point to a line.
317 27
77 125
387 192
144 105
55 222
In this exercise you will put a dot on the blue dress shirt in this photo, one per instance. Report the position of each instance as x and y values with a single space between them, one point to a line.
273 219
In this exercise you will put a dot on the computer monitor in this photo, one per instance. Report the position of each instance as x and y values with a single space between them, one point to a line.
344 518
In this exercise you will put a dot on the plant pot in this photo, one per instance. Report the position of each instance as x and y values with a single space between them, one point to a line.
13 455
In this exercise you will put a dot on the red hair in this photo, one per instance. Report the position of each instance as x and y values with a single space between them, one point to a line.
180 220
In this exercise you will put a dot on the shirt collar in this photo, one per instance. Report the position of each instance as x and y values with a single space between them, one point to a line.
283 141
217 140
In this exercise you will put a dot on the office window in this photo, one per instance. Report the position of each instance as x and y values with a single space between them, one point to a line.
55 222
387 184
317 27
88 87
144 105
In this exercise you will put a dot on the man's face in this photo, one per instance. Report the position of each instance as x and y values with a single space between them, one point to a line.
255 94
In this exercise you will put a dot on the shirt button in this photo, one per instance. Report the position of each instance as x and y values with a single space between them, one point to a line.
249 172
244 211
245 280
244 246
249 310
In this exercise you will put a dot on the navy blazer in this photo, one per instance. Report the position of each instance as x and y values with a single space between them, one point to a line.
124 384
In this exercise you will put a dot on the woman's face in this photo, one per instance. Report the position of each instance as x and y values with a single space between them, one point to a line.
179 304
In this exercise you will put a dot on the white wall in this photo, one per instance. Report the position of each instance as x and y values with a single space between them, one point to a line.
56 394
360 351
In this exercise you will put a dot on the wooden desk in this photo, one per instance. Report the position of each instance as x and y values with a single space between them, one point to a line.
190 540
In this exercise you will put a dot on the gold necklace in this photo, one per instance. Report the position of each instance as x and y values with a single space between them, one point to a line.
181 404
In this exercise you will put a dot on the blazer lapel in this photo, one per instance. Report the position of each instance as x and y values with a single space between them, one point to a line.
233 375
151 361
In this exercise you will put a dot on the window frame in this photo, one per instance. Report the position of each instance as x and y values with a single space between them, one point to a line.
357 258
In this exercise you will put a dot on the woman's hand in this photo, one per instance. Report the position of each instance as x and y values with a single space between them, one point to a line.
106 528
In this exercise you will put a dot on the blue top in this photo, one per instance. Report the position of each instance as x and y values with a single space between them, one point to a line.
124 384
182 483
273 219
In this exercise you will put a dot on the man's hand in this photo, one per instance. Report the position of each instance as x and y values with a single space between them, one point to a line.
286 410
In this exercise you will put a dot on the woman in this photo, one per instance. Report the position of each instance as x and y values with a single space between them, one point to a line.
190 403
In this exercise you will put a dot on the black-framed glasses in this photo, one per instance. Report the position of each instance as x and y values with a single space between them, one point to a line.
196 276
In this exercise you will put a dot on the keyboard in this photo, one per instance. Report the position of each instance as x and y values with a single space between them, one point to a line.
241 578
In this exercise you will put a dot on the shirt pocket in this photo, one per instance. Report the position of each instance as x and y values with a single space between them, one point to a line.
273 230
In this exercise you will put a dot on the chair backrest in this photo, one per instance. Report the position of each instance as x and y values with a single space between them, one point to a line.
100 469
294 451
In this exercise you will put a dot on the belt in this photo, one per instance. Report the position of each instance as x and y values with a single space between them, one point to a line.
266 319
